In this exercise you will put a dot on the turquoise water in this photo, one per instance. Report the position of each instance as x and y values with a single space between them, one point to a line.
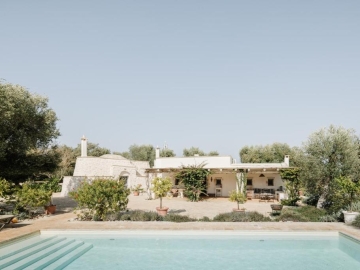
219 252
182 250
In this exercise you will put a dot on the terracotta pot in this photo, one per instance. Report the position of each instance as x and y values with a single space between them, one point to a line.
162 211
50 210
136 193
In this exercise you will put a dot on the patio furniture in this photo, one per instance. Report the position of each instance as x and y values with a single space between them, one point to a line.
4 220
266 197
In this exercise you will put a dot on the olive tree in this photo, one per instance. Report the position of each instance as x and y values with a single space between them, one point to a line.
27 133
330 153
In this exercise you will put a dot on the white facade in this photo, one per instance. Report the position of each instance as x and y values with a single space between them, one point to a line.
224 172
106 166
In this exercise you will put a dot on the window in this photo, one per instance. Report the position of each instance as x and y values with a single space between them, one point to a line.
249 182
218 182
177 182
270 182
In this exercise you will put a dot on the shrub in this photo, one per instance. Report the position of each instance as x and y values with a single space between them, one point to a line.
205 219
177 218
312 200
241 217
6 189
354 207
328 218
101 198
356 222
289 202
31 196
302 214
139 215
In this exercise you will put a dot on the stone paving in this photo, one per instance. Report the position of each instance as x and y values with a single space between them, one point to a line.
64 219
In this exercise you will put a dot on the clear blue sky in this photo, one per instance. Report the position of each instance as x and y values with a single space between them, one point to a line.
218 75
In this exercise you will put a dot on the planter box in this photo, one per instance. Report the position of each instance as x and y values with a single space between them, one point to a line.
349 217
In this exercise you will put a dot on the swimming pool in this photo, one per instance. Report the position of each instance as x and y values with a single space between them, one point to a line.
186 250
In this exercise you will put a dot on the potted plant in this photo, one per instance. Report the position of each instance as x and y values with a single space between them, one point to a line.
350 191
137 189
238 197
31 196
51 186
161 186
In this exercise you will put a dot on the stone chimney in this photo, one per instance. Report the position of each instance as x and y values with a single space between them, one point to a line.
157 152
83 146
286 160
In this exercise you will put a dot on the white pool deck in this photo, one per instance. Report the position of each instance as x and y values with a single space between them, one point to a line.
63 221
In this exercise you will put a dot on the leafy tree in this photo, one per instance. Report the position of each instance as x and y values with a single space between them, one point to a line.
166 152
141 153
194 180
238 197
348 190
161 186
27 132
213 153
273 153
331 153
67 163
93 150
123 154
193 151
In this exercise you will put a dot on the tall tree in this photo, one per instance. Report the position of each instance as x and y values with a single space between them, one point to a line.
67 163
193 151
141 153
272 153
331 153
93 150
213 153
166 152
27 134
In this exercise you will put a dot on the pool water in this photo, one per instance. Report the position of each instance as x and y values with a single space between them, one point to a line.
214 250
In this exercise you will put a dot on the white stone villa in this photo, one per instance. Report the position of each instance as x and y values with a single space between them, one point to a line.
226 175
105 167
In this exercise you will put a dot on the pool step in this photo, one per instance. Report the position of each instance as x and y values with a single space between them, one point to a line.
53 253
29 252
69 258
13 249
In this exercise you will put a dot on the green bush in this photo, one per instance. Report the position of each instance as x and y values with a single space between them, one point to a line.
289 202
312 200
177 218
241 217
205 219
355 207
139 215
356 222
100 198
30 196
193 178
7 189
302 214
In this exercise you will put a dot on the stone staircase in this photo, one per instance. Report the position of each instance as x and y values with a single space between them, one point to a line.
42 253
